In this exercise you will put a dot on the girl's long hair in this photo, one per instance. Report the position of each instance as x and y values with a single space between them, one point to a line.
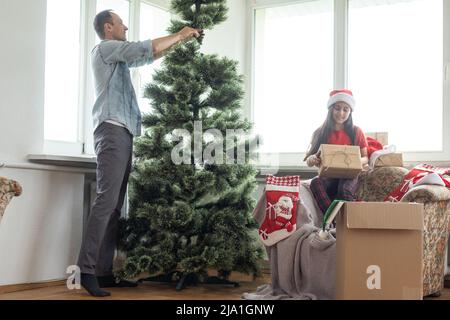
321 135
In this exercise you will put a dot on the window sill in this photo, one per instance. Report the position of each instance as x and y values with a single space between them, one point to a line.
88 162
304 172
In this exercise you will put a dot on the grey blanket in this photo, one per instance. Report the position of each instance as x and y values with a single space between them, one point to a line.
302 265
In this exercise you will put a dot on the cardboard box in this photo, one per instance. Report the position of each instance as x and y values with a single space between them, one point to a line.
390 160
379 251
339 161
382 137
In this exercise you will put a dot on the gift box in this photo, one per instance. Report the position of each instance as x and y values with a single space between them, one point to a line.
390 160
340 161
382 137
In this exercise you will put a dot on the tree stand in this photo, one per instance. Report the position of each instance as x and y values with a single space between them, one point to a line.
188 279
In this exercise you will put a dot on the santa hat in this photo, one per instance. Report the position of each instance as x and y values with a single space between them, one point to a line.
343 95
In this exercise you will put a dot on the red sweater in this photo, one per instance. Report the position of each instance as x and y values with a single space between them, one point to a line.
341 137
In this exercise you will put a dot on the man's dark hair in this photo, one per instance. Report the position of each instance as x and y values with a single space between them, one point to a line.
100 20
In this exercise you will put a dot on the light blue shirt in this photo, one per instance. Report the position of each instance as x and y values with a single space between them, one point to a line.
115 96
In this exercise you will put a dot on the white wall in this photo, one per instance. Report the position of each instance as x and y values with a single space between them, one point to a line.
40 234
22 34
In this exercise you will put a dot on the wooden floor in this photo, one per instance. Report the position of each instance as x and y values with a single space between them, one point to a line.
147 291
157 291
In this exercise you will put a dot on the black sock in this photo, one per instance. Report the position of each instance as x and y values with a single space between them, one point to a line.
110 282
90 283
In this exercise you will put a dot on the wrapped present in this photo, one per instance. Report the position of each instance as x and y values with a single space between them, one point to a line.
340 161
382 137
390 160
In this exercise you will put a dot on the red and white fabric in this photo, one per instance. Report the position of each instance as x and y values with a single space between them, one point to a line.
420 175
282 194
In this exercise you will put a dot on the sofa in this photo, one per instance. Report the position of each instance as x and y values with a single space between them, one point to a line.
375 185
8 190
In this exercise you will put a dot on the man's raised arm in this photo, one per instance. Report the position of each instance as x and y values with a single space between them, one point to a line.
161 45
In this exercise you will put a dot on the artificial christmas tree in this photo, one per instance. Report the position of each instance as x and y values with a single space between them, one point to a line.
191 193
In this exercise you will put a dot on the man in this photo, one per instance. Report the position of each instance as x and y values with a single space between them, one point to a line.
117 119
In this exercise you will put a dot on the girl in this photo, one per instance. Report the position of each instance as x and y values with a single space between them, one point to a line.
338 128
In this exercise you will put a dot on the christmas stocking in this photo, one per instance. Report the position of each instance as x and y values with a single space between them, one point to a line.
282 194
421 174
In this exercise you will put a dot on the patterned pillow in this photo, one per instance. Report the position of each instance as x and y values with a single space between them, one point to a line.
376 184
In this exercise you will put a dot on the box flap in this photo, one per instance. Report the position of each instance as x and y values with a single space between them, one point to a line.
384 215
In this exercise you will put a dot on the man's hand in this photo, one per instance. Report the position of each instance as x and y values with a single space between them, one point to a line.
162 45
188 32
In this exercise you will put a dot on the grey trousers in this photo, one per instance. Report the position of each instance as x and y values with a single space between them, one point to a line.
113 147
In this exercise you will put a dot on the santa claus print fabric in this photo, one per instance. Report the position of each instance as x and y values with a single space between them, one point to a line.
282 194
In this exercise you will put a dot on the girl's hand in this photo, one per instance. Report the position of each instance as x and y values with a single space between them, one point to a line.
313 160
318 160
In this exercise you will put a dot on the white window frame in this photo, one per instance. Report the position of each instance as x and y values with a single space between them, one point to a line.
135 9
65 147
84 145
295 160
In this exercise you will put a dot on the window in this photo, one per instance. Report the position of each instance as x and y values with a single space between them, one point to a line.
121 7
293 70
395 69
153 24
62 61
69 92
393 54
